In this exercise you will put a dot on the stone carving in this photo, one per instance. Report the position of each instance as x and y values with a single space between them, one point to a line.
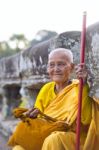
93 58
69 40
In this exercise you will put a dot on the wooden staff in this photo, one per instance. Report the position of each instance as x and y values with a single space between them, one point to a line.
82 57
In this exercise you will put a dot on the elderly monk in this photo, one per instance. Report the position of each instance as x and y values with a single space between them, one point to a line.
58 101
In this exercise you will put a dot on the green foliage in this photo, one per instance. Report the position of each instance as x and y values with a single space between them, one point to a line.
14 45
18 42
42 35
19 38
7 53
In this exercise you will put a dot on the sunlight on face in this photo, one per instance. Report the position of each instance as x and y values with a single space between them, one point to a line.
59 67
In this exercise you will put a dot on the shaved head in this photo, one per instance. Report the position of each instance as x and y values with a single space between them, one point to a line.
66 53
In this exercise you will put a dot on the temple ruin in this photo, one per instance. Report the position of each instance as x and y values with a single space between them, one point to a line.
22 75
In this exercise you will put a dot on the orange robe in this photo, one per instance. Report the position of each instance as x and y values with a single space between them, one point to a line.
62 106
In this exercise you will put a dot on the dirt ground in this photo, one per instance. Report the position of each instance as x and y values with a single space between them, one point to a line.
3 143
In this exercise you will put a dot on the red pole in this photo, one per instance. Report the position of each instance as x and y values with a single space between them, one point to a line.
82 56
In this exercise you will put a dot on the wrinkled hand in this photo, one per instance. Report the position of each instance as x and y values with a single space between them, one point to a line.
62 124
81 72
32 113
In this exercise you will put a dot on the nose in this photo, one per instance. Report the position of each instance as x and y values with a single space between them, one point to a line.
56 68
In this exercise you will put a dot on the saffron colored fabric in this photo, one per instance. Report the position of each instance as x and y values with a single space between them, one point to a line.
39 133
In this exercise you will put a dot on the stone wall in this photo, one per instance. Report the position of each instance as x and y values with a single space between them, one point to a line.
28 68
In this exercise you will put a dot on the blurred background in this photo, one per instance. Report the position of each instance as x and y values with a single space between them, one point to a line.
31 21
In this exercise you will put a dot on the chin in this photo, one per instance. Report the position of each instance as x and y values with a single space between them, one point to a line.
57 80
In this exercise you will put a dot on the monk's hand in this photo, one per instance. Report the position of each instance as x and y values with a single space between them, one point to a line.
62 123
32 113
82 72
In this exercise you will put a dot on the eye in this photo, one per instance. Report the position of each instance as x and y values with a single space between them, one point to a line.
51 65
61 64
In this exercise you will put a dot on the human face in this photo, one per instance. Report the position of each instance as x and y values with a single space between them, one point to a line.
59 67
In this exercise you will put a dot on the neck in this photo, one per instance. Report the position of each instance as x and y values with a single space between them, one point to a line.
60 86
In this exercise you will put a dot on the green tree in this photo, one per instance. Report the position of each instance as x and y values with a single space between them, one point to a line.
20 41
15 44
5 49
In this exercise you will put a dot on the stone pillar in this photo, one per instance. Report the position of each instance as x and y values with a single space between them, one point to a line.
28 97
92 58
3 105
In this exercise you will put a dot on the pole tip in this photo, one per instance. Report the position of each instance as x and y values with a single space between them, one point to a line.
84 13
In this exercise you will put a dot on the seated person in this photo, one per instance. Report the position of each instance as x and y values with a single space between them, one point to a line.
58 99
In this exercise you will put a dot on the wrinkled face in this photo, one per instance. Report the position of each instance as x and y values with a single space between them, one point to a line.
59 67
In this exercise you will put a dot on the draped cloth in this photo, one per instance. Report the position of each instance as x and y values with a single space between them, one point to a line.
67 140
37 134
